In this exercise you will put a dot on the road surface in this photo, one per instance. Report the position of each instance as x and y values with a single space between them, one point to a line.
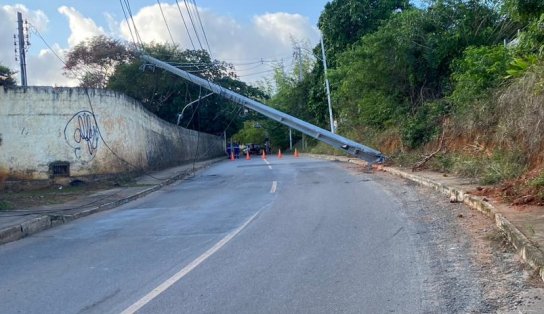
278 236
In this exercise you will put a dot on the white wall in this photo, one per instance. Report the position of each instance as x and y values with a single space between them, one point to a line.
95 131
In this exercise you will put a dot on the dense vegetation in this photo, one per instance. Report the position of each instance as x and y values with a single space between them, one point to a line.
458 81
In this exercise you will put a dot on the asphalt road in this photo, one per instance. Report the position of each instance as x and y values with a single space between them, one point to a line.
285 236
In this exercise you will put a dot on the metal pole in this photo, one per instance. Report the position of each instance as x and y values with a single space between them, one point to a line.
22 58
290 139
337 141
180 115
299 56
327 85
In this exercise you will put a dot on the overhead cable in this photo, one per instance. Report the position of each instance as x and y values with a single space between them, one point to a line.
166 23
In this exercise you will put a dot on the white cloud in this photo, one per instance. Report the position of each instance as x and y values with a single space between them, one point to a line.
266 36
81 27
270 35
8 27
45 69
42 69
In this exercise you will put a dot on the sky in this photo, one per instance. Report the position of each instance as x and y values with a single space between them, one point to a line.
251 34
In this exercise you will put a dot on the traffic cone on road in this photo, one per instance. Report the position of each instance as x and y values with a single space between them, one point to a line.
279 154
247 156
296 153
232 156
264 155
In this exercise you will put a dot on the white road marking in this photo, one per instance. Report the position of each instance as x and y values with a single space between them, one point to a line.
274 187
268 163
185 270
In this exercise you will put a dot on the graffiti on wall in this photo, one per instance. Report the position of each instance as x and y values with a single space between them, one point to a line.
82 134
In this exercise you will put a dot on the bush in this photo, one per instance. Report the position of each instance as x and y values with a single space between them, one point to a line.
504 166
480 70
425 124
501 166
538 182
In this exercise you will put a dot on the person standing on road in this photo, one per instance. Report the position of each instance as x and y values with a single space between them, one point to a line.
236 150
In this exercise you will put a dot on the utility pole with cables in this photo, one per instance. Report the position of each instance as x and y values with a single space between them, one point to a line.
23 46
335 140
298 56
327 85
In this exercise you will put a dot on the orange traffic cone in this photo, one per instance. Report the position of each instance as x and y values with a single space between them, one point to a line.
232 156
247 156
264 155
279 154
296 153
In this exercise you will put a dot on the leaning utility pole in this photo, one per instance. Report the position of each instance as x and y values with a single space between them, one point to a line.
337 141
22 48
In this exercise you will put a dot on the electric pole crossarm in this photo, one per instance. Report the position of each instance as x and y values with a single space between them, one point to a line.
335 140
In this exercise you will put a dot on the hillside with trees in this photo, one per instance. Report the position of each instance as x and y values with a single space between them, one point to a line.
454 85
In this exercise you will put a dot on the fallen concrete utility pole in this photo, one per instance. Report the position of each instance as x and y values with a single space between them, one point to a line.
334 140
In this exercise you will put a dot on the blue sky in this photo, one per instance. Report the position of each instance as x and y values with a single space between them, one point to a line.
241 30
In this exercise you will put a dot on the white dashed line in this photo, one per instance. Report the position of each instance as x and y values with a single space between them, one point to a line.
274 187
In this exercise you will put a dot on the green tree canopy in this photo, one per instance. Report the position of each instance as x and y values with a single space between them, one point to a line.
6 76
344 22
403 68
166 94
251 133
524 10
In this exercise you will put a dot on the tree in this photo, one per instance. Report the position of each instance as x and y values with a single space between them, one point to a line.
166 94
6 76
524 10
398 75
93 61
344 22
252 132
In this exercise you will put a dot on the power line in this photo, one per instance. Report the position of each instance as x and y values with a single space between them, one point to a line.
202 28
128 24
78 73
166 23
185 24
187 6
257 73
129 11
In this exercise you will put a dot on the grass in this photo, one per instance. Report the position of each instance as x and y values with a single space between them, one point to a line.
538 182
501 166
5 205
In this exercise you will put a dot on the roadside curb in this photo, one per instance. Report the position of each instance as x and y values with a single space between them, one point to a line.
46 221
527 250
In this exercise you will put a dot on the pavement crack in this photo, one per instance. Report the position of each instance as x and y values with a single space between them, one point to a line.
398 231
101 301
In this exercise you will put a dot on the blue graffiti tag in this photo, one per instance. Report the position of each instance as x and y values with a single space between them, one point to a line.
86 134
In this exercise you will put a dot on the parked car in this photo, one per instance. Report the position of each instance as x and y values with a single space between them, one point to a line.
254 149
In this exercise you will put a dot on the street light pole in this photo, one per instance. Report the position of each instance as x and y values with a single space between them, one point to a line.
327 85
180 115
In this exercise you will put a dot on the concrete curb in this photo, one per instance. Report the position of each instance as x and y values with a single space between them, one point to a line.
40 223
527 250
